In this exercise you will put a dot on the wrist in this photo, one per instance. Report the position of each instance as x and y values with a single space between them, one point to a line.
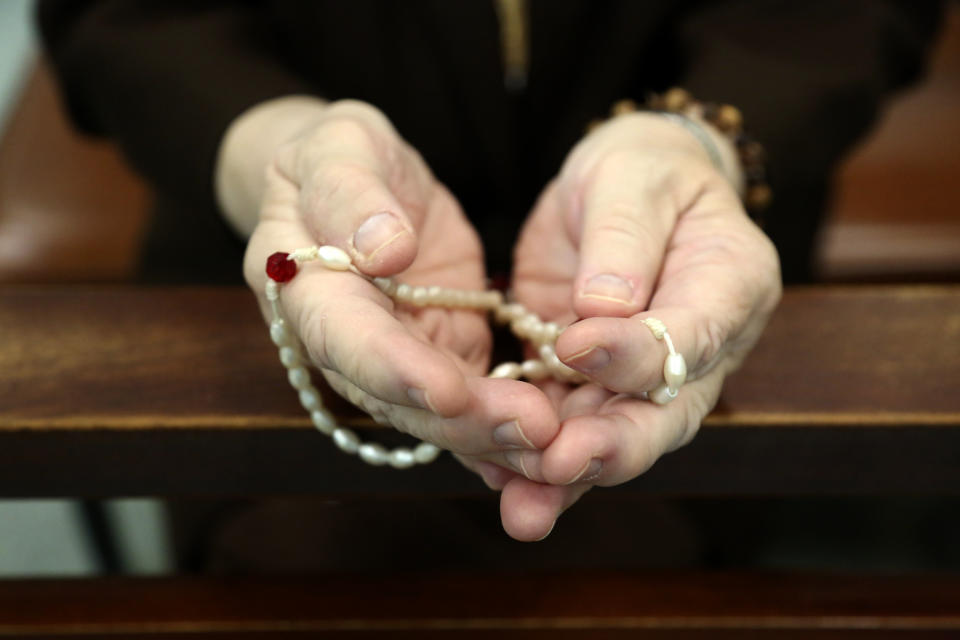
722 151
248 146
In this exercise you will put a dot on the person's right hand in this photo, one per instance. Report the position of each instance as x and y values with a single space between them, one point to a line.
348 179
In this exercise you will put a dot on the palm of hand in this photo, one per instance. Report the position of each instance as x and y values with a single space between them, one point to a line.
449 255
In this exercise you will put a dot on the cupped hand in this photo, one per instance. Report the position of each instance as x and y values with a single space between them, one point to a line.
638 223
349 180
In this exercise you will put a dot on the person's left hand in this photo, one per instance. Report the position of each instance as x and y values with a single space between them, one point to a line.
638 223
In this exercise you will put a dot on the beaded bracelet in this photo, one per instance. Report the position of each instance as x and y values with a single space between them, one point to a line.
526 325
728 120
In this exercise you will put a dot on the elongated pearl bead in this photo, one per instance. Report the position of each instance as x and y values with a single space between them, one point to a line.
402 458
419 296
289 357
506 370
491 299
436 295
404 293
675 370
279 333
272 290
334 258
662 394
547 353
551 331
373 453
346 439
310 399
426 452
386 285
299 378
534 369
509 312
323 420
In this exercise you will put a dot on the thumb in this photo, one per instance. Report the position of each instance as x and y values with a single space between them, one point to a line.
345 199
627 217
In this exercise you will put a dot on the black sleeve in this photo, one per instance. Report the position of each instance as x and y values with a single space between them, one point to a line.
165 79
809 78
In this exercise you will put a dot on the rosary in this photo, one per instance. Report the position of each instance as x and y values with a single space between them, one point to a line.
525 324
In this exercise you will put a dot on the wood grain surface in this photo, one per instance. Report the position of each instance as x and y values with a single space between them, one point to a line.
540 605
104 390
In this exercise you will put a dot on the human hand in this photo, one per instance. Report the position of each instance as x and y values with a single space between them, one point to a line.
637 224
346 178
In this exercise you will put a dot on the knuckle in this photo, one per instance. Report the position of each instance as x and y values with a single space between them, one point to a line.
343 131
623 223
711 339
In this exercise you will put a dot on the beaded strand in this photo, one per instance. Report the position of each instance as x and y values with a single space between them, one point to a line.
525 324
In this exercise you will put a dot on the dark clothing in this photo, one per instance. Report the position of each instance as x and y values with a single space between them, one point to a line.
166 79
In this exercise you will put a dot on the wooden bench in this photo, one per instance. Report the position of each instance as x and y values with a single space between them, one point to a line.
121 391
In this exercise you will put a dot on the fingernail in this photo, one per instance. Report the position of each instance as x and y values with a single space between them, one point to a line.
515 460
420 398
549 531
589 359
607 286
377 232
509 434
590 471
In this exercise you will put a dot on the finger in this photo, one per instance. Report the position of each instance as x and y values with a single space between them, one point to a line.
500 415
346 198
530 510
626 436
714 298
347 326
628 210
624 356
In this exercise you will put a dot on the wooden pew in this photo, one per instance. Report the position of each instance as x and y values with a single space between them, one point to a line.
104 390
591 605
110 391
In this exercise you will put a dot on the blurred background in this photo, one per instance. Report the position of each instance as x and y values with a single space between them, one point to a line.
894 218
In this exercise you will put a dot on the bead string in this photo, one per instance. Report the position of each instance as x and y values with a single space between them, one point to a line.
526 325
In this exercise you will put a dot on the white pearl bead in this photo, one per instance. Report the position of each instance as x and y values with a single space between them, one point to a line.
323 420
662 394
675 370
373 453
386 285
436 295
534 369
299 378
419 296
459 298
404 293
491 299
272 290
509 312
547 353
551 331
289 357
402 458
346 439
536 331
333 258
506 370
279 333
426 452
310 399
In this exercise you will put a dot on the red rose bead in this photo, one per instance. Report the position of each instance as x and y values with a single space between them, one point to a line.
280 268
